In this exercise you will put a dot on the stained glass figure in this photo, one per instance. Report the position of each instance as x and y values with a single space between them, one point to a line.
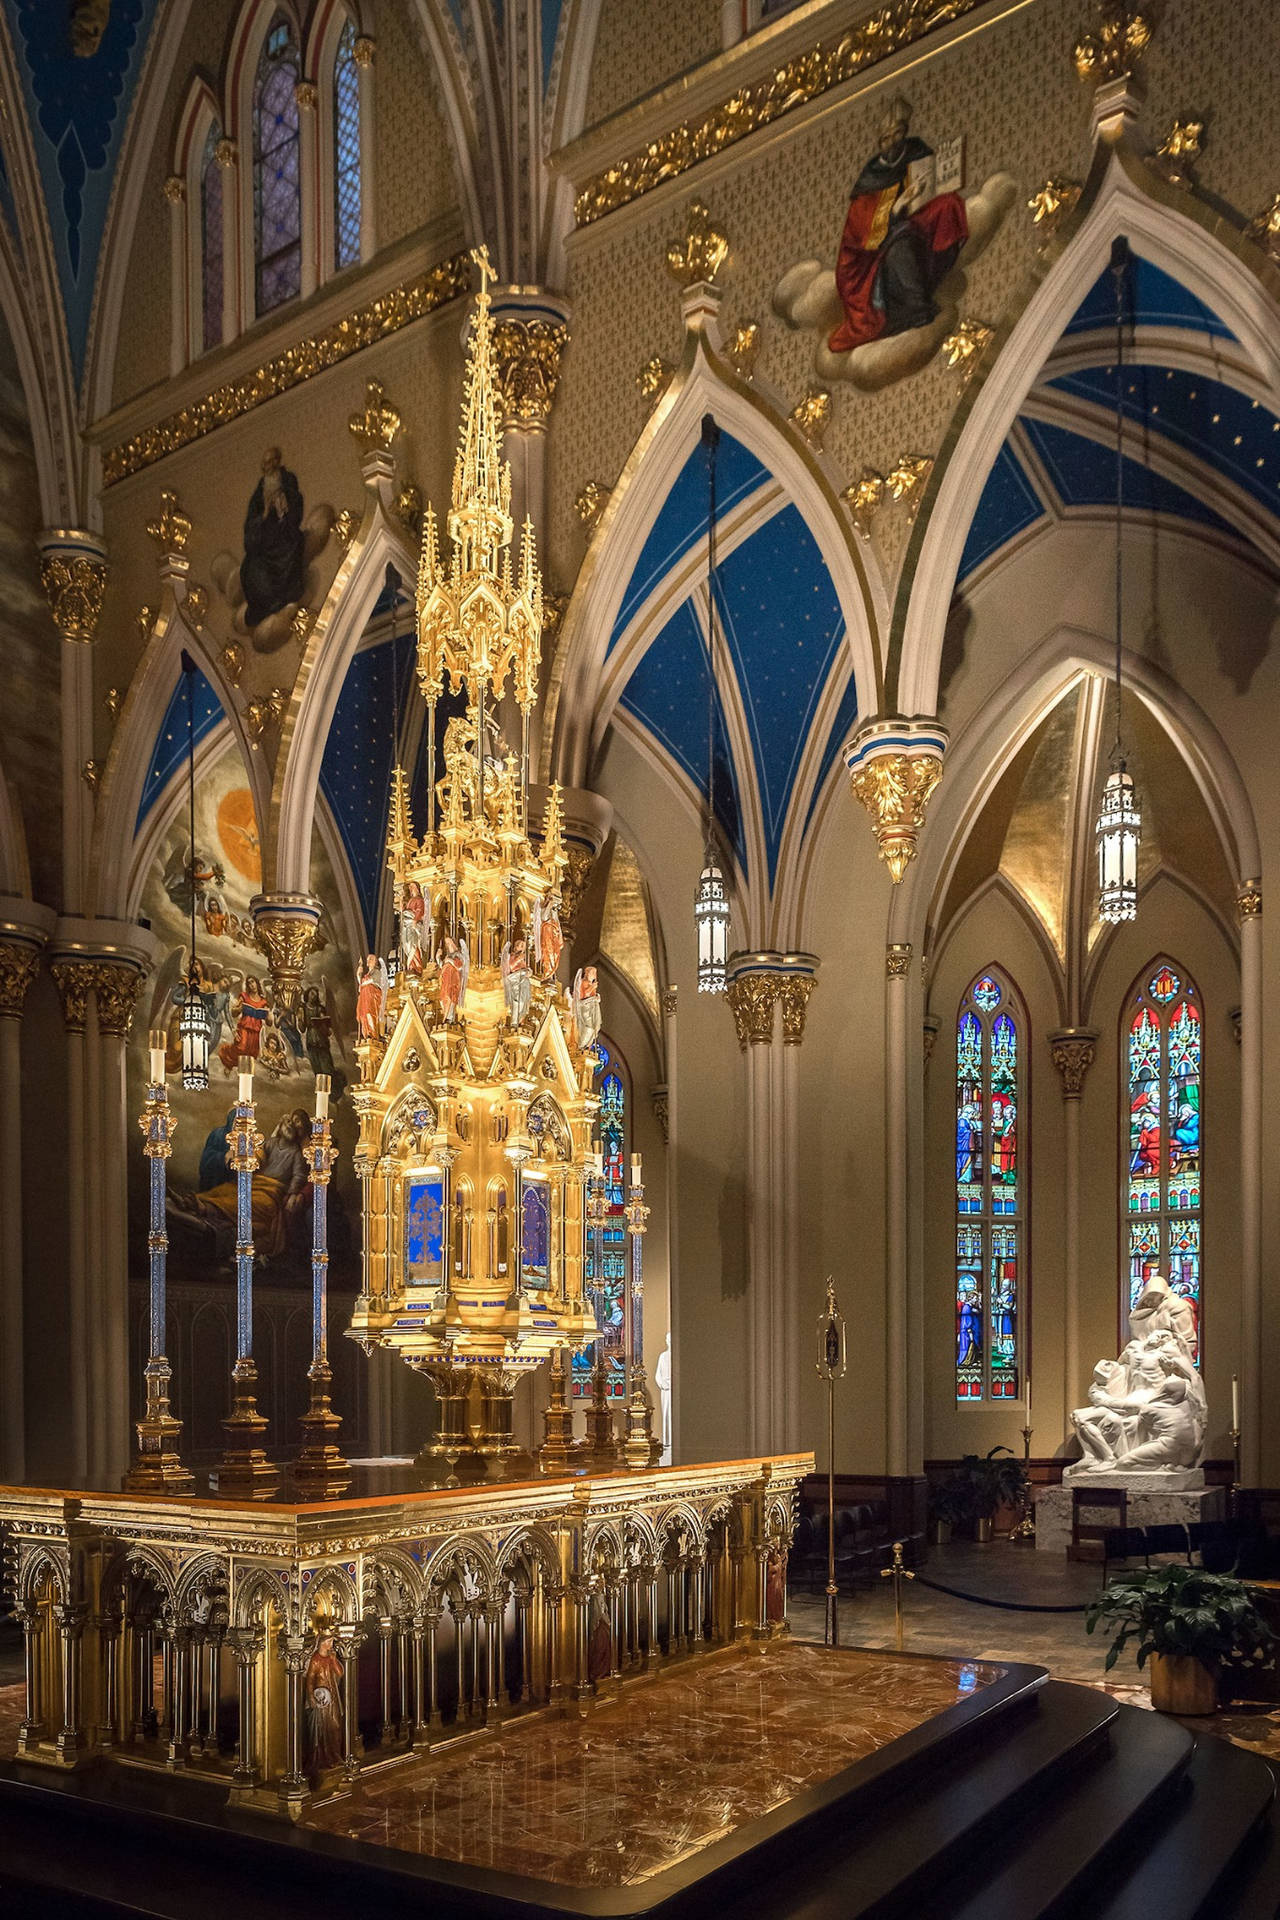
989 1198
1163 1035
607 1291
347 184
277 196
211 241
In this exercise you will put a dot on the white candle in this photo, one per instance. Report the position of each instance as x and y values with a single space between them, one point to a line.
156 1042
1028 1399
246 1080
322 1096
1235 1401
635 1169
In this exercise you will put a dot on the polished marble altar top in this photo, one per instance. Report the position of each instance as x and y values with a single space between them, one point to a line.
657 1774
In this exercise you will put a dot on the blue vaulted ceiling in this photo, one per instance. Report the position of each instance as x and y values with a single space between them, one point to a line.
783 643
355 773
170 750
1211 431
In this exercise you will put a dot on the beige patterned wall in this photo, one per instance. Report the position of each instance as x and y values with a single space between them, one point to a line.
641 44
1012 91
415 173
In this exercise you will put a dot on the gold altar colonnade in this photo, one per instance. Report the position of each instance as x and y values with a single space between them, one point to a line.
176 1633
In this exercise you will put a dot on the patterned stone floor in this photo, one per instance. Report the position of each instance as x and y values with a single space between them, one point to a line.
590 1802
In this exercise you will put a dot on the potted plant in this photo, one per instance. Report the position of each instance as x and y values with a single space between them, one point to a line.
992 1483
948 1508
1189 1622
1012 1483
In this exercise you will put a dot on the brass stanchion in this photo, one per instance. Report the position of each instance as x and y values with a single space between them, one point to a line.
897 1572
1025 1530
157 1467
831 1366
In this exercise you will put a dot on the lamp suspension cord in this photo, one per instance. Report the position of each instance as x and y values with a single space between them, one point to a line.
189 674
711 441
1119 265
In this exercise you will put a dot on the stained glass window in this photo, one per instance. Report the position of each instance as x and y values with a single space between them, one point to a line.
607 1291
211 241
1163 1050
347 187
990 1192
277 200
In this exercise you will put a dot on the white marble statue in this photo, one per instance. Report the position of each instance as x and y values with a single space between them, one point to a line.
1147 1416
662 1380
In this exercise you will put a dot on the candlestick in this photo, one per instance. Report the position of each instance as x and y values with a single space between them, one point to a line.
642 1448
635 1169
320 1467
1028 1397
323 1085
244 1467
157 1467
1235 1399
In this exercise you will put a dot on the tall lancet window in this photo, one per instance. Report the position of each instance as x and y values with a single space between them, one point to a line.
1162 1049
277 173
606 1290
211 241
990 1191
347 185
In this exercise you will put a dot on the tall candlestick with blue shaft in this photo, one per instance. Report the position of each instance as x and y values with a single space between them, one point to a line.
244 1467
157 1467
320 1468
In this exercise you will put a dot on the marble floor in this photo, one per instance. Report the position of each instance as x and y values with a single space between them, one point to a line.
575 1801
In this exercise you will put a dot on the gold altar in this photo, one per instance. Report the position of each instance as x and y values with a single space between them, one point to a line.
277 1651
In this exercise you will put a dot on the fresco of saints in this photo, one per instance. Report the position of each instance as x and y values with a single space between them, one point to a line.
898 246
322 1704
454 963
274 563
250 1017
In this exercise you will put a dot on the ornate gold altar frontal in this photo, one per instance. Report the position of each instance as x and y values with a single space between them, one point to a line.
222 1641
475 1099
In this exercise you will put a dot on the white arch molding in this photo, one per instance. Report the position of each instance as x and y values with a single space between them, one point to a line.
703 383
1126 199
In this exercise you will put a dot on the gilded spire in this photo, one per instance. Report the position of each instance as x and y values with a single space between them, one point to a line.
400 844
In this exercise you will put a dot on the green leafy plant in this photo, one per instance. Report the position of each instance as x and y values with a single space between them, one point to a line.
1183 1610
950 1503
990 1480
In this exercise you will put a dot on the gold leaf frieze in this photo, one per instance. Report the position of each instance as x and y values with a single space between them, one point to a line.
887 31
409 301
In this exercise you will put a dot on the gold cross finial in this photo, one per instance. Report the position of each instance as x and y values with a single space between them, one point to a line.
480 255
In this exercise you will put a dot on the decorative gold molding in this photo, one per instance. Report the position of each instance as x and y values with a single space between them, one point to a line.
116 987
195 606
345 528
74 980
227 154
113 700
304 92
171 528
890 29
590 503
1249 899
19 965
74 584
751 998
697 259
813 415
411 300
909 474
407 509
742 347
1264 228
963 348
793 998
670 1001
1073 1052
363 50
1178 152
652 377
91 774
897 960
527 355
1115 45
261 715
144 620
374 429
863 498
1050 205
232 659
175 189
895 787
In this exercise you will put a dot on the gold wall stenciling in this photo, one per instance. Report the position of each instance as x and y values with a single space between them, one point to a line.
411 300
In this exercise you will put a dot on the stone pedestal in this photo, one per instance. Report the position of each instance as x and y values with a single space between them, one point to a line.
1162 1506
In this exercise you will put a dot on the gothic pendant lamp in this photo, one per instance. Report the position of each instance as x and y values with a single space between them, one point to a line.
711 905
1119 823
193 1020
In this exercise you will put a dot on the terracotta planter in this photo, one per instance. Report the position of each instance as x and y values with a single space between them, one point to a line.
982 1530
940 1532
1182 1684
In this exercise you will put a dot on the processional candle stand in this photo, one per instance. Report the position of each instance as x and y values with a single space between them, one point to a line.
244 1467
600 1446
157 1467
320 1467
1025 1531
831 1366
640 1449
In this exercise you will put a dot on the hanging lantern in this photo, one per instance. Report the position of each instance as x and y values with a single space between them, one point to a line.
711 918
193 1031
1119 832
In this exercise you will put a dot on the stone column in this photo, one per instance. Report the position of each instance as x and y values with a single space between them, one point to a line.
73 573
530 332
350 1640
293 1787
363 52
671 1134
759 984
897 1384
21 937
227 154
71 1623
1249 903
117 985
1072 1050
74 981
175 192
304 93
247 1648
34 1723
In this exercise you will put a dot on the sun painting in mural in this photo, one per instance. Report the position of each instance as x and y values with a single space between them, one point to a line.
238 834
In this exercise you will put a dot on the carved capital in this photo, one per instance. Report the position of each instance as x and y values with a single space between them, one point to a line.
696 259
305 94
74 981
226 153
286 925
363 51
573 885
670 1002
751 998
893 769
171 528
1072 1051
374 429
19 964
116 986
897 960
1249 899
527 353
175 189
932 1026
73 573
793 997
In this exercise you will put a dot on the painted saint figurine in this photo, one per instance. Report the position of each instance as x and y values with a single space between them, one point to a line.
517 982
413 913
586 1007
548 936
371 996
322 1704
898 245
454 963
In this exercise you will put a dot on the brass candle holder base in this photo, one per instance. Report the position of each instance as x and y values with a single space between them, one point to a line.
157 1467
598 1450
556 1453
1024 1533
641 1449
244 1469
321 1468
